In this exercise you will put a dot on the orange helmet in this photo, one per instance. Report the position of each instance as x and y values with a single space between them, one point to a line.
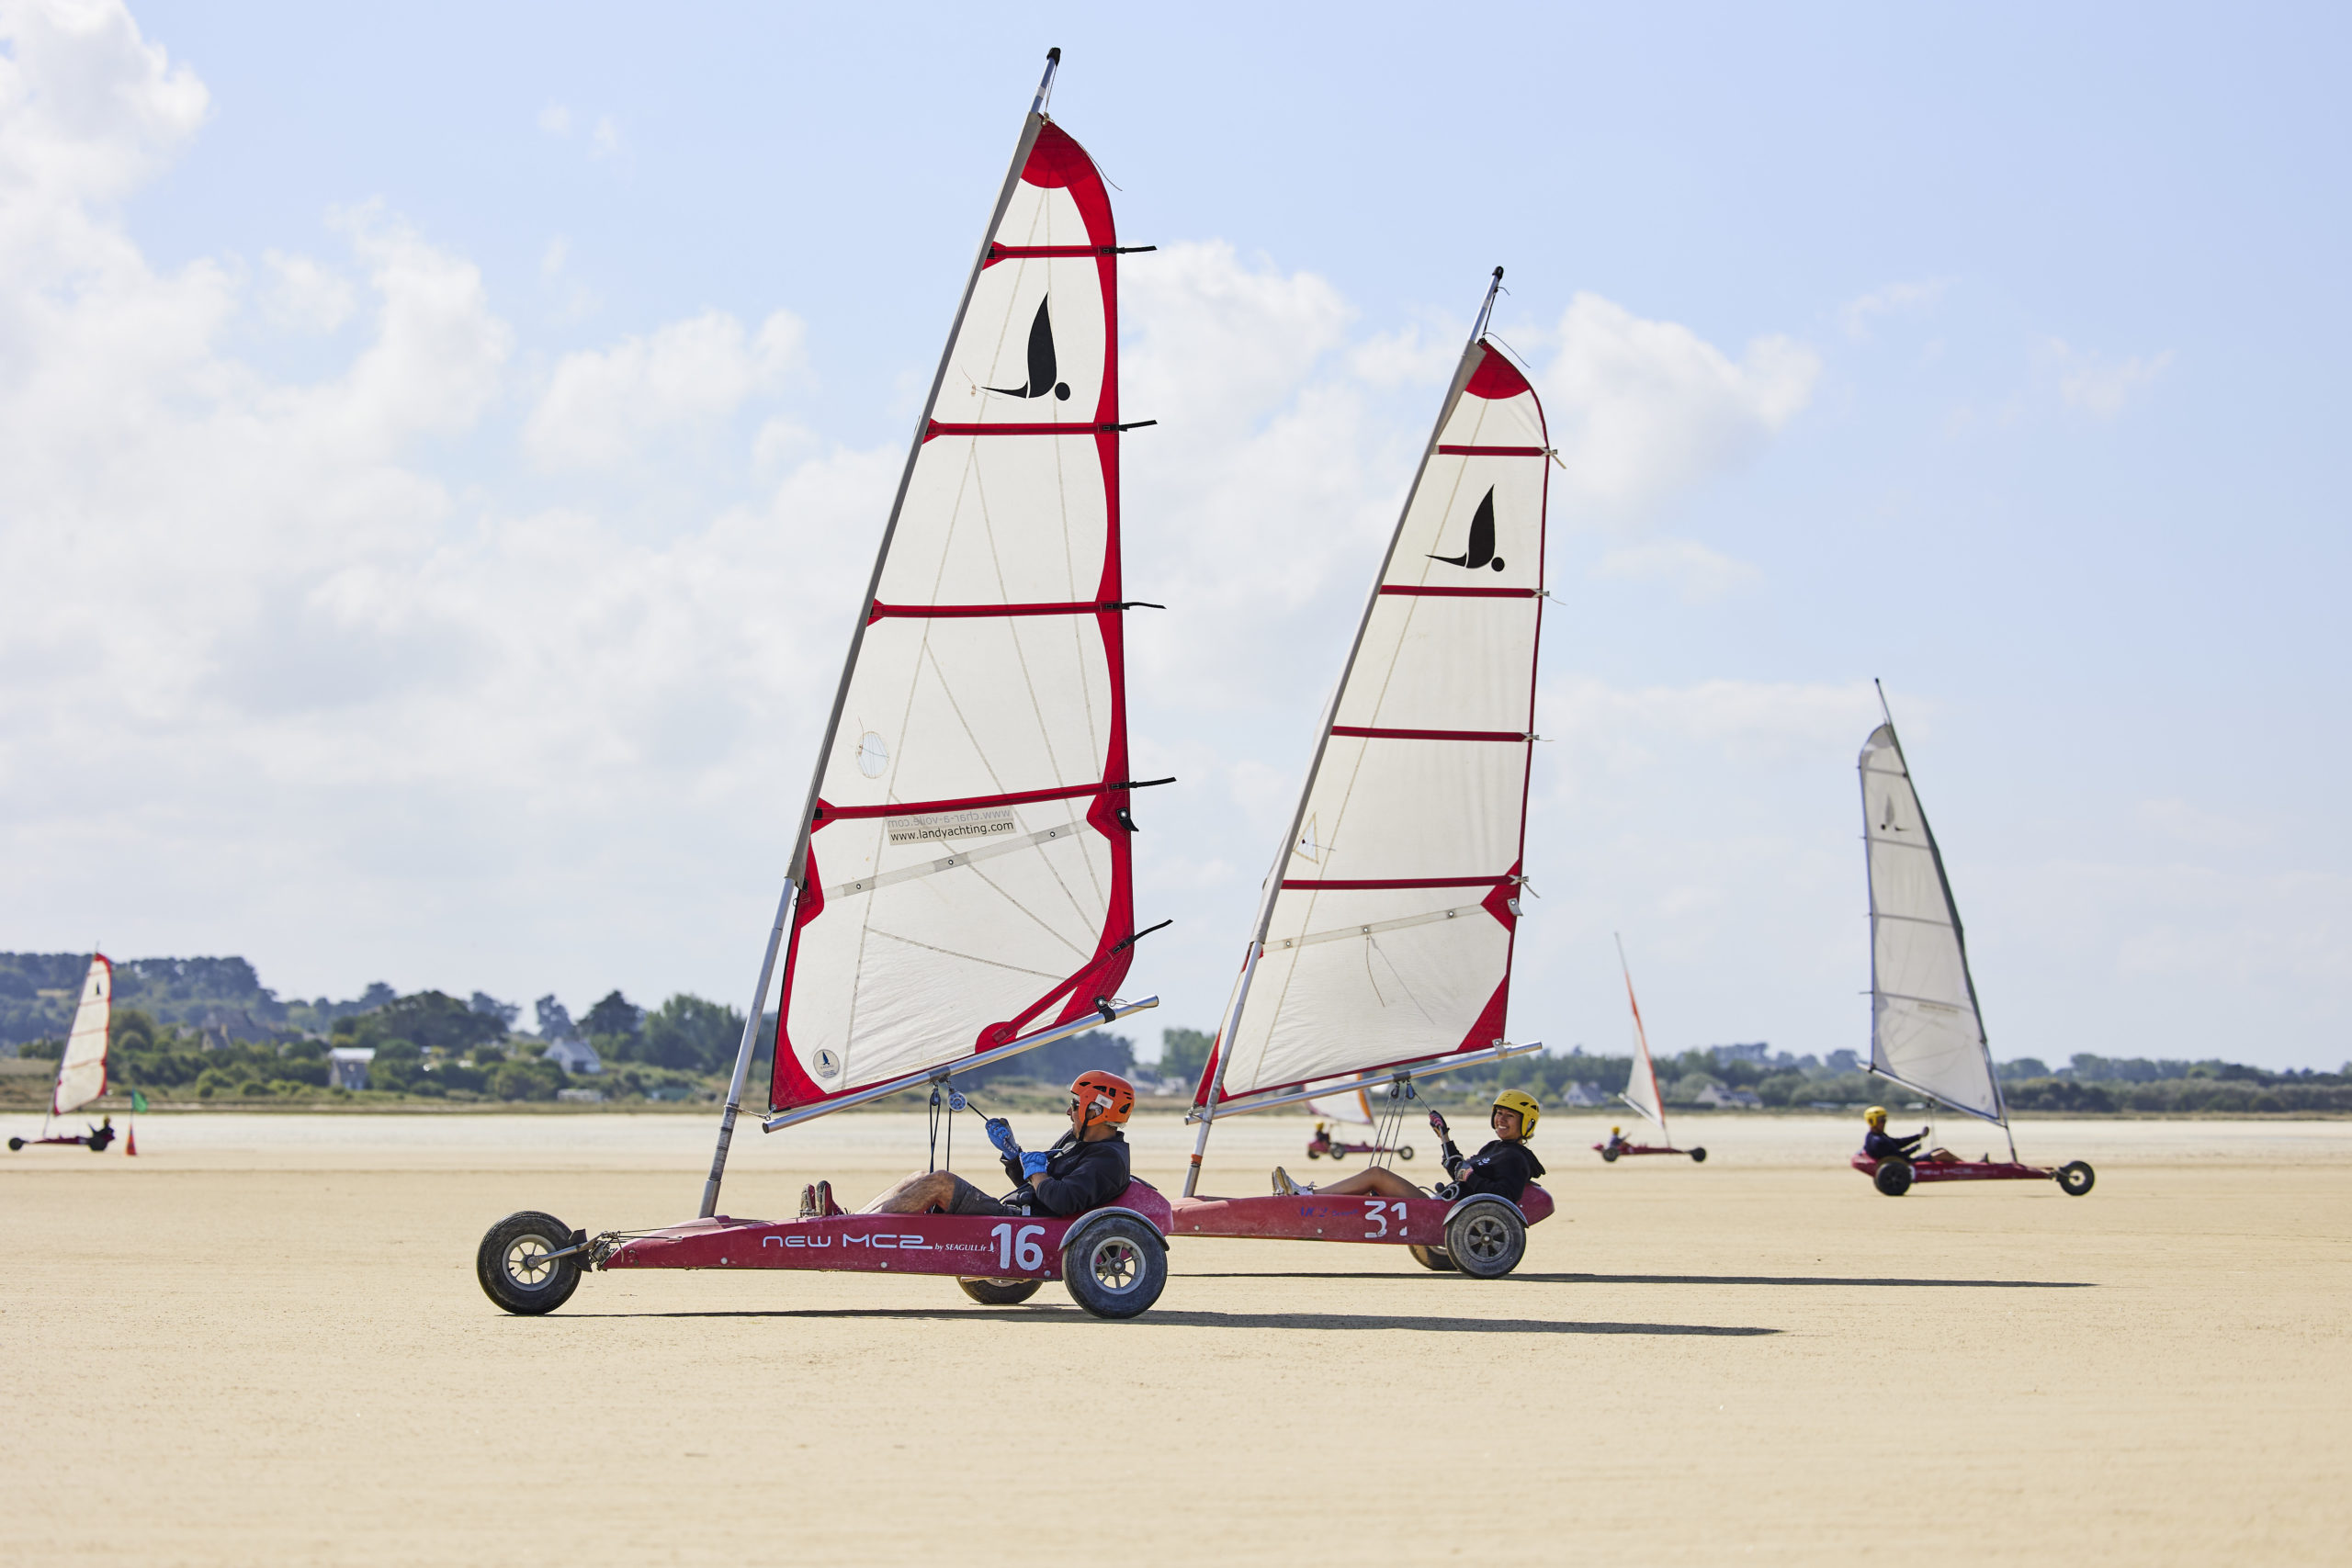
1101 1097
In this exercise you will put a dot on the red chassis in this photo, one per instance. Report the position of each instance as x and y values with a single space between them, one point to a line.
1114 1259
1896 1176
1482 1235
82 1142
1323 1143
1612 1155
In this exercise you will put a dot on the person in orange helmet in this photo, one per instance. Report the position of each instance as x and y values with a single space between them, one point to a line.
1086 1168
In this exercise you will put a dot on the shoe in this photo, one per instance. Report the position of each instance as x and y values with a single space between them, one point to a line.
1285 1187
825 1204
809 1210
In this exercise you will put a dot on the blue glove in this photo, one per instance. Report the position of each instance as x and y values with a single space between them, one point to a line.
1032 1165
1000 1135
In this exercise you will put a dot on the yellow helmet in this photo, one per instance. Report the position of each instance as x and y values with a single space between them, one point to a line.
1523 1102
1875 1116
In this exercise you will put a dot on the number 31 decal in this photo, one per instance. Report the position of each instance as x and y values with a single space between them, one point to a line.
1376 1210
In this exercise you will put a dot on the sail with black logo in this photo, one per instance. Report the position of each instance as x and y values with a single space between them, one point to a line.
1384 930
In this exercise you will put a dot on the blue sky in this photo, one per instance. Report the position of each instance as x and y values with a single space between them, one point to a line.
443 438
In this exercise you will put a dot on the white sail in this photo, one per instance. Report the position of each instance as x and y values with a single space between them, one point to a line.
1640 1086
966 873
1354 1105
1385 936
1925 1032
82 1070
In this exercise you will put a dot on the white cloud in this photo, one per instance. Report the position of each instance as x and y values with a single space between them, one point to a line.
556 120
600 407
2102 389
305 294
605 140
1893 299
1698 574
1642 411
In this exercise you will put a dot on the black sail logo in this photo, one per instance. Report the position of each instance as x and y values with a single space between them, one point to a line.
1482 539
1041 361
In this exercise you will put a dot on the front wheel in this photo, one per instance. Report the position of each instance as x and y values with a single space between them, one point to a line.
1894 1177
1001 1293
2075 1180
1698 1157
15 1144
1432 1258
1486 1241
1115 1267
1337 1155
1406 1154
517 1266
1609 1155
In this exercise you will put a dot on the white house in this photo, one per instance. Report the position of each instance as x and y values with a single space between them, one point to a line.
573 1056
1723 1098
347 1066
1583 1095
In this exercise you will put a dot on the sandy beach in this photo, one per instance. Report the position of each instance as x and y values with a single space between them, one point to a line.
262 1341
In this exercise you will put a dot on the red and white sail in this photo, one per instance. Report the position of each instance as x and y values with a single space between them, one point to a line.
1387 922
1641 1084
82 1070
966 878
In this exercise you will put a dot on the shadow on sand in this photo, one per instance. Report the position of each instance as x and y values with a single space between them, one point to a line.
1165 1319
1858 1281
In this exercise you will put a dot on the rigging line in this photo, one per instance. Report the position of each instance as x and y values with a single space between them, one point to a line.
967 957
1372 945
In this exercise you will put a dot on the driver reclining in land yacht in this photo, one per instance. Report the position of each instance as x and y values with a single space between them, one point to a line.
1086 1168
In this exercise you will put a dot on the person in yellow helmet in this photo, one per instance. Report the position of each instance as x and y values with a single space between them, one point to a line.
1504 1167
1880 1144
1618 1143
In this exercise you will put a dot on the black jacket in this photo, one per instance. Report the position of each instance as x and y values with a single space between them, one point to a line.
1077 1177
1503 1170
1886 1145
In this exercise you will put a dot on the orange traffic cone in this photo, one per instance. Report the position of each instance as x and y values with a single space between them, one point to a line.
130 1139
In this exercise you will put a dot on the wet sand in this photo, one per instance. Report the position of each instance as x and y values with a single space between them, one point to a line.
262 1340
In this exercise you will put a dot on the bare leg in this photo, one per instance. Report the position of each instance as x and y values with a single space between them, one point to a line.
915 1195
1375 1180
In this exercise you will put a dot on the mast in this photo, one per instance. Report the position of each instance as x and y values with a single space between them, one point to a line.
1387 740
1927 1033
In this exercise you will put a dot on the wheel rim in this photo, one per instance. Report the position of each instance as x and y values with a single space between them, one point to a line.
1487 1238
1115 1264
530 1265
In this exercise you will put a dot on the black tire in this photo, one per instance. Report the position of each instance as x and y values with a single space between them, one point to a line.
1609 1155
1432 1258
1486 1241
1698 1157
1314 1152
1338 1155
1894 1177
1406 1154
15 1144
2075 1180
512 1267
1001 1293
1114 1268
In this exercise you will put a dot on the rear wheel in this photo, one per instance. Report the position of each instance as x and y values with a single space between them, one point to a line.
1609 1155
1432 1258
2075 1180
1115 1267
1486 1241
1337 1155
1894 1177
15 1143
1698 1157
516 1269
1001 1293
1406 1154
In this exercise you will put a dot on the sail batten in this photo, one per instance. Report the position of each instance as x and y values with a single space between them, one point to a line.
1926 1033
965 874
1365 957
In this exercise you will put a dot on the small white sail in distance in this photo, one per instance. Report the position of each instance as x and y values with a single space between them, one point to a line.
82 1070
1924 1030
1349 1105
1641 1084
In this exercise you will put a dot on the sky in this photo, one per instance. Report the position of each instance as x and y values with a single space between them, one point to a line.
442 448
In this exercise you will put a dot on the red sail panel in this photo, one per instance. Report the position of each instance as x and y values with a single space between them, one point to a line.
968 872
1388 939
